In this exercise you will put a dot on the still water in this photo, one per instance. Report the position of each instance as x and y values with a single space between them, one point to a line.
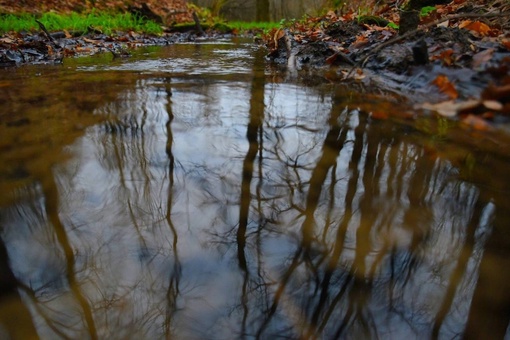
190 192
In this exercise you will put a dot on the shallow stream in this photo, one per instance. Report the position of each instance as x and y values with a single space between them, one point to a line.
191 192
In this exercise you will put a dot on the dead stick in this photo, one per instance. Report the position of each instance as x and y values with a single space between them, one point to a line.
376 49
197 24
41 25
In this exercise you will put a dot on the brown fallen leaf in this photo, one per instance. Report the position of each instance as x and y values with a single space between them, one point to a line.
493 105
482 57
446 57
6 40
360 42
92 41
476 26
445 86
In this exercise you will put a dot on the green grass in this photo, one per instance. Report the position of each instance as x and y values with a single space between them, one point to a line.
427 10
242 26
108 23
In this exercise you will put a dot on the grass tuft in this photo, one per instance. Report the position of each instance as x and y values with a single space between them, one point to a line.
108 23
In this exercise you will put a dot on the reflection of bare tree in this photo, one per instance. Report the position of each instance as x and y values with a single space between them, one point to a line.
350 283
15 318
461 267
51 196
173 290
489 313
333 143
254 131
326 223
254 135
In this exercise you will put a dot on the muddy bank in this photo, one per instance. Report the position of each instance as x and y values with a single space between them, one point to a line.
17 49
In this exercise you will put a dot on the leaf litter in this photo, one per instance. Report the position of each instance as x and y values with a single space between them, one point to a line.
456 64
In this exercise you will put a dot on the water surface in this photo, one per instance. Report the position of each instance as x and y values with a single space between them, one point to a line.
190 192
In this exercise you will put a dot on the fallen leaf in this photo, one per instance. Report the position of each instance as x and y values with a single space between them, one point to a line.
444 24
446 57
476 26
360 42
83 49
450 108
331 15
69 52
359 74
445 86
493 105
6 40
482 57
92 41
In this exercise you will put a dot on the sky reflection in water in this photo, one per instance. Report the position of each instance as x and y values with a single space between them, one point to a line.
209 206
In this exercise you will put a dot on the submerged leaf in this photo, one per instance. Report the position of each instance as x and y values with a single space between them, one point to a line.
450 108
493 105
482 57
445 86
446 57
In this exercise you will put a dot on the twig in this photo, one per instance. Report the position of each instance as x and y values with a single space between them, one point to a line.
46 33
406 35
197 23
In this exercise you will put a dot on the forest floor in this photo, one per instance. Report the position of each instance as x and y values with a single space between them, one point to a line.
457 63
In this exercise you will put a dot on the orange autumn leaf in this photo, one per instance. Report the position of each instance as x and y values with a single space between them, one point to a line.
360 42
476 26
445 86
446 57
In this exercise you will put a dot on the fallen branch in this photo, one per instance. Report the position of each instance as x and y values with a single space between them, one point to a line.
46 33
197 24
406 35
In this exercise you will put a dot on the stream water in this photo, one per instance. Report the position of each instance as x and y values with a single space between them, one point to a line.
191 192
